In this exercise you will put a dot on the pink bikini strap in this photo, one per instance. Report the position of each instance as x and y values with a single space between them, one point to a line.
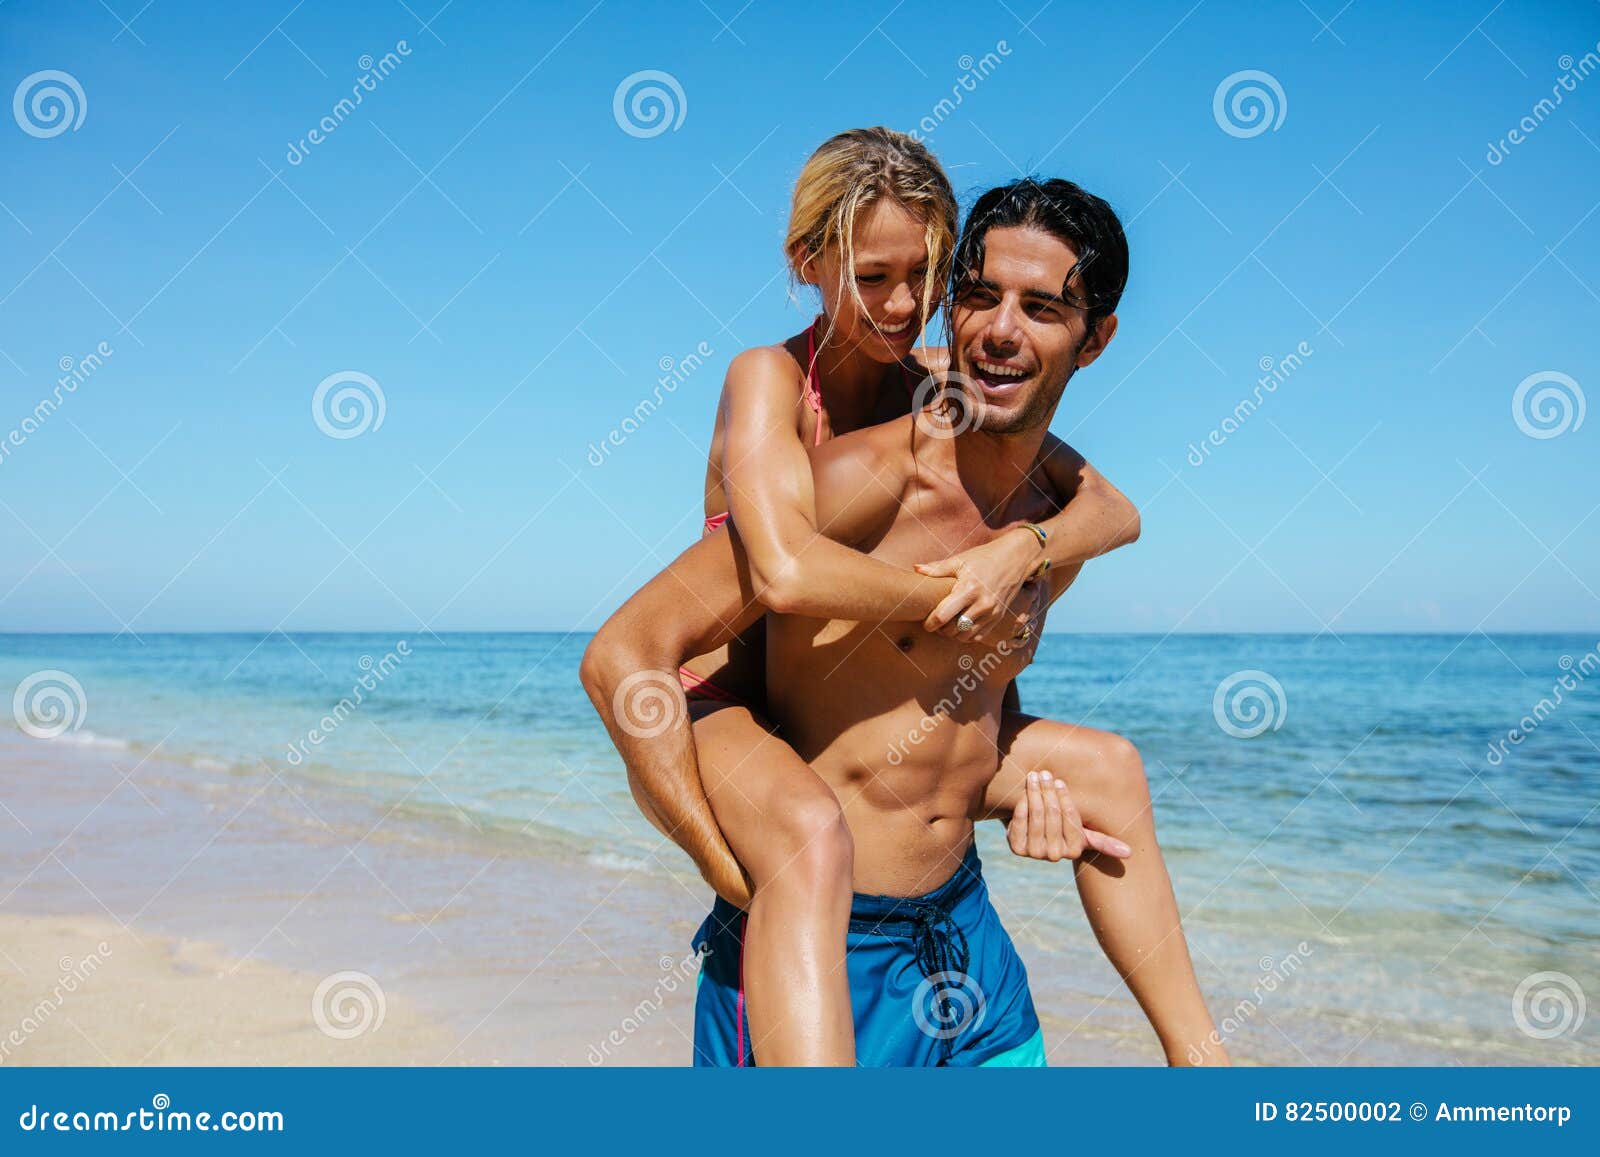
813 386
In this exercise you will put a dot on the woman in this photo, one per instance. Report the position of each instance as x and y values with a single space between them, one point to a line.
872 229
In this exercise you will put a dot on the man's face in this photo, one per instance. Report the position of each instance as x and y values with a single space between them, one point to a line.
1016 339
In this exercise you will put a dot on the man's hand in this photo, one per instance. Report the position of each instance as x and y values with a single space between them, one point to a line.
1046 825
728 880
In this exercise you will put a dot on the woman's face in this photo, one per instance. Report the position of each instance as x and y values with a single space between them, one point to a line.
890 275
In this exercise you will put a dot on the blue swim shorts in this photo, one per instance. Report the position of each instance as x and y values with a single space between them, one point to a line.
934 980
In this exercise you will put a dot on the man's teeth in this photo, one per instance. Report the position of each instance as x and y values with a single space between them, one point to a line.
1001 371
901 328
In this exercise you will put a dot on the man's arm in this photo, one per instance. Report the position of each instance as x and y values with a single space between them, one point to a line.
630 671
1093 518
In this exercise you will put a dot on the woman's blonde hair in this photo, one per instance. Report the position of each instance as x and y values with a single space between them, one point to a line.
850 173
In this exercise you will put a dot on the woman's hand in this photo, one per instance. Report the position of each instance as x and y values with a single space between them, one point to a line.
988 588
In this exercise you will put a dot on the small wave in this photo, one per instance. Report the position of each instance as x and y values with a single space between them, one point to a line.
611 861
90 739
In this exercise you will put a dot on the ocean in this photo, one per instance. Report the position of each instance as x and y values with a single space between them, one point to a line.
1384 846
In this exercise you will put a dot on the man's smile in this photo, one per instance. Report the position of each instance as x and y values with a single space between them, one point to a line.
999 379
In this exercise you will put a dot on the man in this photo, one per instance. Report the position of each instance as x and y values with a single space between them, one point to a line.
901 724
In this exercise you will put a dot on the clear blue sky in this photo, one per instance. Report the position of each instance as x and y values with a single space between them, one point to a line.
484 241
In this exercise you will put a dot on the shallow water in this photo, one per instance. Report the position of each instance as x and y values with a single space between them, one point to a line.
1366 881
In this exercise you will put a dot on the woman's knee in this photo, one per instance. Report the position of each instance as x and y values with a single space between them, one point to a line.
1101 768
813 847
1119 771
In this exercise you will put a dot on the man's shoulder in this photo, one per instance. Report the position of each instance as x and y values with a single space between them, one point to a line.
860 477
931 359
882 447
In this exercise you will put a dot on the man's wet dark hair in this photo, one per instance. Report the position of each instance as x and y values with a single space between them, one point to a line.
1065 211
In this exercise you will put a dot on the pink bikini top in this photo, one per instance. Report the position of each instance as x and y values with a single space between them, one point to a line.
813 399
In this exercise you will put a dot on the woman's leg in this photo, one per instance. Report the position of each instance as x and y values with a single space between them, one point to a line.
785 826
1129 902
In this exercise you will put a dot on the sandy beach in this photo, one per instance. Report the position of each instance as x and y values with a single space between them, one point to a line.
81 990
155 914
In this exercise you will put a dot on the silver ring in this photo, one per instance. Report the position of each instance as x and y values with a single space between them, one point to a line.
964 624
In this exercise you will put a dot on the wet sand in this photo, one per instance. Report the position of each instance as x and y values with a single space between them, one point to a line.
233 917
156 913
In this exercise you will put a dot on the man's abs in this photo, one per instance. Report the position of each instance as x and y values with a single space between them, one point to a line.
905 735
